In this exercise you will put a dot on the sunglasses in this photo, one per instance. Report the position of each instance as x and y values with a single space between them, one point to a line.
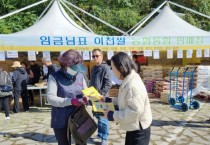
93 56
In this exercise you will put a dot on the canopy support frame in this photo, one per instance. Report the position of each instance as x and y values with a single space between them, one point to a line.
148 17
191 10
44 10
76 16
22 9
100 20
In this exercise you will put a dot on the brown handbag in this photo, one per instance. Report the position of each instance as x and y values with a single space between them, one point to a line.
81 125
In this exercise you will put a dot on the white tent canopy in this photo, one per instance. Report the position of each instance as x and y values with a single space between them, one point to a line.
167 23
55 22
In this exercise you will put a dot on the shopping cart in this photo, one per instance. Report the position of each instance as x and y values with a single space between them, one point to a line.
173 96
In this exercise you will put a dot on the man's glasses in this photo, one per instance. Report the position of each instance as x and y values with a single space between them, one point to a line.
93 56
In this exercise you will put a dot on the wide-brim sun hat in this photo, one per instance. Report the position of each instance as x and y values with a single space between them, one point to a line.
16 64
79 68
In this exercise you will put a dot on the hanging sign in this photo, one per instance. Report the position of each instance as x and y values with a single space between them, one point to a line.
12 54
110 54
179 53
86 55
169 54
206 53
2 56
199 53
31 55
148 53
156 54
189 53
46 54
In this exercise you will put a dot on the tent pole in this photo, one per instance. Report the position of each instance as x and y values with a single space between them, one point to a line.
17 11
138 23
102 21
45 10
191 10
148 18
76 16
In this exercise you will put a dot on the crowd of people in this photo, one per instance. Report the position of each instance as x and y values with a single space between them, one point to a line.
64 93
23 74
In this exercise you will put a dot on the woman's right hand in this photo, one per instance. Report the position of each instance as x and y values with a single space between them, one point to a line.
79 101
102 98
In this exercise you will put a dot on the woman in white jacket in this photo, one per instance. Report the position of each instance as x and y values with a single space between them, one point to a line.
134 114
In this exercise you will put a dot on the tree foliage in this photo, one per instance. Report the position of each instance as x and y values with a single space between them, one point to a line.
202 6
20 20
122 14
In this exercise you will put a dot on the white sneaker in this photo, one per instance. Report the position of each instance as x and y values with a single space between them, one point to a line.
104 142
7 118
97 138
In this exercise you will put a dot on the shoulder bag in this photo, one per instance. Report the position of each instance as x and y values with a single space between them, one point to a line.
81 125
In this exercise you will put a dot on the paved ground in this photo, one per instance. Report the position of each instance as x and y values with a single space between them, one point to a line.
169 127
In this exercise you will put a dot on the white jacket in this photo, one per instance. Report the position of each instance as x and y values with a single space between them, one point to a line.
134 105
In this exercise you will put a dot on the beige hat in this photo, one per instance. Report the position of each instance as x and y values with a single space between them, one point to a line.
16 64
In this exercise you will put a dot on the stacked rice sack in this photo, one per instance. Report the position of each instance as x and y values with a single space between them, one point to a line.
162 91
176 88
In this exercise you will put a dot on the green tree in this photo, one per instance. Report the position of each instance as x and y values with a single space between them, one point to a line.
123 14
202 6
20 20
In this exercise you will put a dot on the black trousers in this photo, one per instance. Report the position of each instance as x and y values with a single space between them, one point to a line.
31 96
138 137
24 95
61 136
5 101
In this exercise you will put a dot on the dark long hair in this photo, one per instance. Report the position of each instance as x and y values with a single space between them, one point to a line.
123 63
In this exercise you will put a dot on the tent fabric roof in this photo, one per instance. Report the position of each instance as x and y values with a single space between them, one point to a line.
55 22
167 23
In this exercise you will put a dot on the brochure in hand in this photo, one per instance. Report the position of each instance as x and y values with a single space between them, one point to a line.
92 93
94 97
100 106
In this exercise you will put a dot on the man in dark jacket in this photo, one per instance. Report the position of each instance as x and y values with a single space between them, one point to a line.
36 71
101 79
135 59
20 78
51 67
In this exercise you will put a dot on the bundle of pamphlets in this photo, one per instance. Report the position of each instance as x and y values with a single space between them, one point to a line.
95 98
92 93
100 106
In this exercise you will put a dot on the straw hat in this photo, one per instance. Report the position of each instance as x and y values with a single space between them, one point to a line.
16 64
